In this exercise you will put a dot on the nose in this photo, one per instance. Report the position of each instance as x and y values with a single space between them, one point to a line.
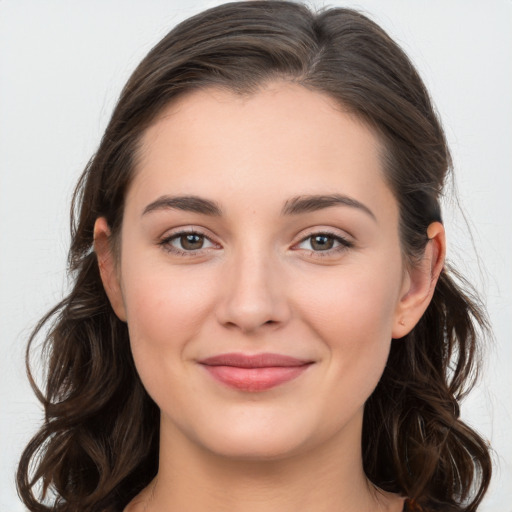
253 294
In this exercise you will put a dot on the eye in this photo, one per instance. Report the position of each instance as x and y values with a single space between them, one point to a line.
324 242
186 242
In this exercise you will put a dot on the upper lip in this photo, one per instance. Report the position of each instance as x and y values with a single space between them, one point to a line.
264 360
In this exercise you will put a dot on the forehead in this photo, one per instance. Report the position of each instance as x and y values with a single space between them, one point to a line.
210 114
283 140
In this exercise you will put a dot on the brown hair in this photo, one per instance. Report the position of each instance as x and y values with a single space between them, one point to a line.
98 446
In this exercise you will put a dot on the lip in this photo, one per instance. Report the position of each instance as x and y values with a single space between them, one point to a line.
253 373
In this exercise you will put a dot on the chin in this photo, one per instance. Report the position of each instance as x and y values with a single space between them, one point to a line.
256 448
263 438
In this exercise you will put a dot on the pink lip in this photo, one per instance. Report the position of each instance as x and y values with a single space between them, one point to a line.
257 372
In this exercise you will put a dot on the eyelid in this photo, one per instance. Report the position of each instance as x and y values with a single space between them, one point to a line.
344 242
165 241
324 230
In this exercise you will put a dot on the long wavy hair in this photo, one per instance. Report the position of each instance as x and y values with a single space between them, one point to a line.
98 445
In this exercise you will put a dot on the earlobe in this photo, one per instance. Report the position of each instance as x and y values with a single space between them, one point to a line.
420 282
107 267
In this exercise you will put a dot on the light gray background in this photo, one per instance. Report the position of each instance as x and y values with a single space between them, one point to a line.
62 65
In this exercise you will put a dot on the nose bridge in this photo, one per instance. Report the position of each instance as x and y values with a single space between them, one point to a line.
254 290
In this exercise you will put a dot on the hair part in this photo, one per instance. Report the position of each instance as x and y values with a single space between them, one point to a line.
98 446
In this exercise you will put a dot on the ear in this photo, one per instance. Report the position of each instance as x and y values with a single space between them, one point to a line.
108 268
420 282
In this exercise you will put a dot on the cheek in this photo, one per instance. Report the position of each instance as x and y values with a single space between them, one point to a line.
165 310
355 302
353 314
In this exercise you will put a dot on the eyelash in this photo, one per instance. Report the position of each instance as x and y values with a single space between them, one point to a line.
166 243
344 244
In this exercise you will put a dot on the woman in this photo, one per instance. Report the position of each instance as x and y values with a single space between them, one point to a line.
262 318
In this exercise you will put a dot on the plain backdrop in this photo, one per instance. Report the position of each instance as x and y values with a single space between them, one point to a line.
62 66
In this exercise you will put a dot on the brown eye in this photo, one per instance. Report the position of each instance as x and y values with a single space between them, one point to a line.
327 243
187 243
322 242
191 241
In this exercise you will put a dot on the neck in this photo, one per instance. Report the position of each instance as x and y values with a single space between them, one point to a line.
328 478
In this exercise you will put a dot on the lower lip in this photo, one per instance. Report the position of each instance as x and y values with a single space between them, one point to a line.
255 379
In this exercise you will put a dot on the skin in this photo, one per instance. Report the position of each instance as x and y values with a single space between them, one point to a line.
260 284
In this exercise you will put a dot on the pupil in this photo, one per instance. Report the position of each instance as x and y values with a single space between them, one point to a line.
191 241
322 242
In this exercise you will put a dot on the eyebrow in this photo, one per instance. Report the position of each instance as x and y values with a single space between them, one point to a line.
193 204
313 203
294 206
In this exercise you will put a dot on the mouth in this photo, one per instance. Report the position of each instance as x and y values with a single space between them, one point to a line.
253 373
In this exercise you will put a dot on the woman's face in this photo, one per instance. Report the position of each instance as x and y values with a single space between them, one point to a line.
260 226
